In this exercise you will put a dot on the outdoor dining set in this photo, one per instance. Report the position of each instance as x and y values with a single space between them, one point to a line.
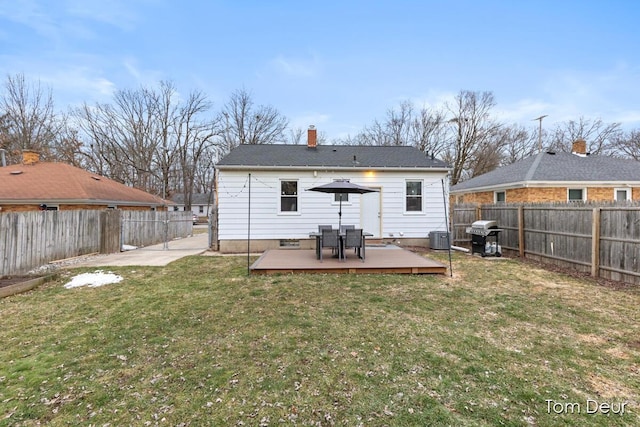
339 240
345 236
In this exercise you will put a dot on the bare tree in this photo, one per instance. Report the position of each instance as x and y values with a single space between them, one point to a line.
194 137
518 143
243 123
29 119
148 138
422 129
628 144
599 136
295 136
122 138
67 146
474 133
427 131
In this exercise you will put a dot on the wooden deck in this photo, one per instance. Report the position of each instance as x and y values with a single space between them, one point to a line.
387 260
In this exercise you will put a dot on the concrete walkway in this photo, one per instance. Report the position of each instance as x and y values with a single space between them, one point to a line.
155 255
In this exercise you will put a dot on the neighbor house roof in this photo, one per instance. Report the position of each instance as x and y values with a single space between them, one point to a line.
556 168
328 156
196 199
45 182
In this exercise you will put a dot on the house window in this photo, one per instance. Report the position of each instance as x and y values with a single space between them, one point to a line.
201 209
176 208
576 194
345 196
622 194
44 207
414 196
500 196
288 196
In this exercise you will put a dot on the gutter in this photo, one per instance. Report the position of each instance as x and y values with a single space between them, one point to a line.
541 184
333 168
81 202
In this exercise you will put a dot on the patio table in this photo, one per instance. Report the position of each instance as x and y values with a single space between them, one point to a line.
342 235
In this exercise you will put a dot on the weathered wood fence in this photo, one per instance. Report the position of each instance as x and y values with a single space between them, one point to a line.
31 239
601 240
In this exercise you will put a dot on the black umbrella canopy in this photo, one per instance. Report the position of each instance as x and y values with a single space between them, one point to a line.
342 186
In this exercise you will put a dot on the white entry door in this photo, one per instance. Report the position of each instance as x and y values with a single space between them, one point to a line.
371 213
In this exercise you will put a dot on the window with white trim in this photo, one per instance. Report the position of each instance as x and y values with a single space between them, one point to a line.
413 196
338 196
288 196
622 194
499 196
576 194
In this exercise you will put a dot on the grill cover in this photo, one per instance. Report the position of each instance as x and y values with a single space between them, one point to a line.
482 227
484 224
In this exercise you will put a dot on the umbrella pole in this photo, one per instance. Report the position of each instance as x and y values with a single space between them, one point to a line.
340 214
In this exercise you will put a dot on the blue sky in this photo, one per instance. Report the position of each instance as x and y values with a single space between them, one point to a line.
338 64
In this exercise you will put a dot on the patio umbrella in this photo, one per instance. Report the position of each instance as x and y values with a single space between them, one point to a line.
342 186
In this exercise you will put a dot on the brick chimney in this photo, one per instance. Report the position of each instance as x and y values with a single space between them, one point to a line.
312 137
30 157
579 147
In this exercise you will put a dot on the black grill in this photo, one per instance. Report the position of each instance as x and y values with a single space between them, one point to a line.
485 238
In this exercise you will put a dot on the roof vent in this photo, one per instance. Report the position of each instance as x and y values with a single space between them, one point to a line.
96 178
15 172
553 153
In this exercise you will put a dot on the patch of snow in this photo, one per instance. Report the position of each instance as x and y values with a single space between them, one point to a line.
93 280
129 247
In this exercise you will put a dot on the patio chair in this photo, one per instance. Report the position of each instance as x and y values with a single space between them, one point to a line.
330 239
344 228
324 227
354 239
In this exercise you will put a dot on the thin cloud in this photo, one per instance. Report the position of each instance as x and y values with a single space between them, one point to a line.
296 67
142 77
116 13
30 14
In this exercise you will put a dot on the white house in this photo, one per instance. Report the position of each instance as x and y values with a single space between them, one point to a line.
263 193
201 203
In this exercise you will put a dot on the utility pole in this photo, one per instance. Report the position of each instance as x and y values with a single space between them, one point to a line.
540 131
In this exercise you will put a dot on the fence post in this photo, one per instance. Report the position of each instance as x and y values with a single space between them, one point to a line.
478 212
595 243
521 230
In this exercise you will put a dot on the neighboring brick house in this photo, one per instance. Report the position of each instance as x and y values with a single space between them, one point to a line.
555 177
34 185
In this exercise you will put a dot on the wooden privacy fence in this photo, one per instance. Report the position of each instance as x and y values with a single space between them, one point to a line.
32 239
601 240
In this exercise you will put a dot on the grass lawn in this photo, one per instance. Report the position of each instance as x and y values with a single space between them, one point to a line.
200 343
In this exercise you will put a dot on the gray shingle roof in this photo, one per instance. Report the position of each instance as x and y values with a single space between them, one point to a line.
558 167
196 198
278 155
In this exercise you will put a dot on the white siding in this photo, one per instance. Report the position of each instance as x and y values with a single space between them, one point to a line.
318 208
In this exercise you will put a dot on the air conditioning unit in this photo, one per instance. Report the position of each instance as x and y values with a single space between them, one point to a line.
439 240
